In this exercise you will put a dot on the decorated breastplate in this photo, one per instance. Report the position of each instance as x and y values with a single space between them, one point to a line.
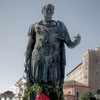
47 39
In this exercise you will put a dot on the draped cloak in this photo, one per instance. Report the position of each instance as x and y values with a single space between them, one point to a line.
52 70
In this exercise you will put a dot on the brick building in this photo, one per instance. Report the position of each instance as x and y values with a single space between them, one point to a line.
88 72
73 89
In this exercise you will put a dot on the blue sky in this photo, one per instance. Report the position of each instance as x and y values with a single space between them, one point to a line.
79 16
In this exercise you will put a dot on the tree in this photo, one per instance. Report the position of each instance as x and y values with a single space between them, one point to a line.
87 96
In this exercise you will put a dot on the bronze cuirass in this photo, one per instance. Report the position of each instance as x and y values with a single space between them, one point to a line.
46 54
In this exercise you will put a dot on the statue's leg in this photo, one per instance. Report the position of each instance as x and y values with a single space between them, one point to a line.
32 95
56 93
53 96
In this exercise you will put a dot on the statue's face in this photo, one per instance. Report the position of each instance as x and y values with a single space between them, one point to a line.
48 11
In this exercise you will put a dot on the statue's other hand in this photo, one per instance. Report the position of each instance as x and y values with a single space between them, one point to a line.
77 39
26 65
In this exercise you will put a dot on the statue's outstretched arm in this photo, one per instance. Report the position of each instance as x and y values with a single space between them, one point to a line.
68 41
72 44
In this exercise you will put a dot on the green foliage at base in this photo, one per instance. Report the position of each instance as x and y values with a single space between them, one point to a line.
45 88
29 88
87 96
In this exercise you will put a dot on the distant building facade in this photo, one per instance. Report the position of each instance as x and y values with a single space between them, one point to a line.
8 95
88 72
73 89
20 87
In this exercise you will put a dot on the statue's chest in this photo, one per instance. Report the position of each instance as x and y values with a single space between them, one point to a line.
47 33
53 29
42 30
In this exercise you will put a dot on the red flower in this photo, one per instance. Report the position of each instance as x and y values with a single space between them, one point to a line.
42 96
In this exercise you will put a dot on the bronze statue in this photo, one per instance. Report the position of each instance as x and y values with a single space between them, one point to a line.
45 52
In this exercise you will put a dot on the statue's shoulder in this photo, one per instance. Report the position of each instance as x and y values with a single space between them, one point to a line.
62 28
31 31
60 23
32 26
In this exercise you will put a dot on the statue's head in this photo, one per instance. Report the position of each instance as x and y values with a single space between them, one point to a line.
48 10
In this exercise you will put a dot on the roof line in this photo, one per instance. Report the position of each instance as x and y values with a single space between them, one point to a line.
74 68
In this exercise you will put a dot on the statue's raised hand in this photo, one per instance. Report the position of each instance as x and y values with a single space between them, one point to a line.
77 39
